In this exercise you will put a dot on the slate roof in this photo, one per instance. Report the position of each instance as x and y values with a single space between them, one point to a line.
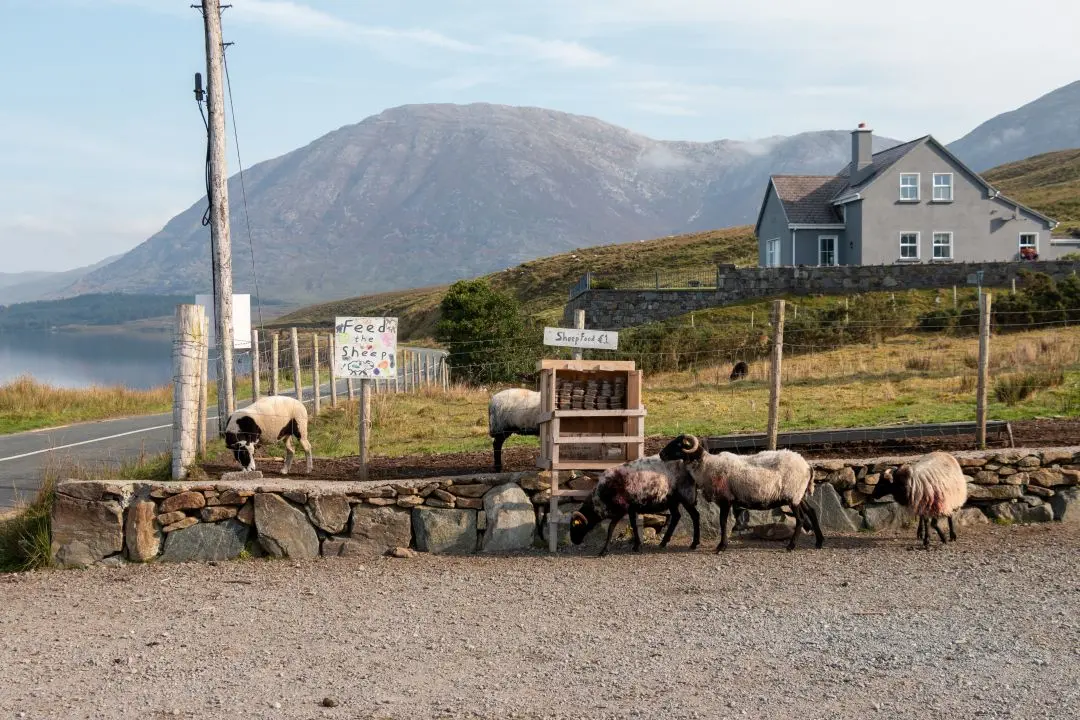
879 163
807 199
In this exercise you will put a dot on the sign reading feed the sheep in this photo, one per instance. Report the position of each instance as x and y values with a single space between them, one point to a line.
594 339
365 347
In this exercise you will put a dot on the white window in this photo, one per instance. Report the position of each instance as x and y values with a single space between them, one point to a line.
943 187
909 187
826 249
772 252
1029 240
909 246
943 246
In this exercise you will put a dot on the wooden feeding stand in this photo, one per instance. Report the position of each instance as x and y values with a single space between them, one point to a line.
591 418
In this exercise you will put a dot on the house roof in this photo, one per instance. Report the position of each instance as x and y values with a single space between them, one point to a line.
879 163
807 199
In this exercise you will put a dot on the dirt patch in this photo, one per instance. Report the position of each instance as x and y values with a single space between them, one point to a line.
1026 433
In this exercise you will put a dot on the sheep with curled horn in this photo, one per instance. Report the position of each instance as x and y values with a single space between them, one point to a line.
510 411
268 419
762 481
932 487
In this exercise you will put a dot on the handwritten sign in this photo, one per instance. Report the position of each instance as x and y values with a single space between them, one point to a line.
595 339
365 347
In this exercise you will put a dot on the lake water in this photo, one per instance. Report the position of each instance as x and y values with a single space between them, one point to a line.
81 359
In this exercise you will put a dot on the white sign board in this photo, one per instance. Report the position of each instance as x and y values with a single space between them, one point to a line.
241 312
595 339
365 347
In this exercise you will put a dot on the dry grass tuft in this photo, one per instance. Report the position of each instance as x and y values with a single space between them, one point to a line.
26 404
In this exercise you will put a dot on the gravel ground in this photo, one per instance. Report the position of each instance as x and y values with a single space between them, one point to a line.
868 627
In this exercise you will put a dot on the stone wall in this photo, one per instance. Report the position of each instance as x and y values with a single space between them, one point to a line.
117 522
616 309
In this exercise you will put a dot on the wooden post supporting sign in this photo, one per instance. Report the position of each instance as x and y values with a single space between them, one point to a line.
366 349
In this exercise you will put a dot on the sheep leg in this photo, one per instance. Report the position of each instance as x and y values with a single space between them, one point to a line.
809 511
610 531
695 516
799 519
673 520
289 454
952 531
725 508
634 530
937 529
925 523
496 445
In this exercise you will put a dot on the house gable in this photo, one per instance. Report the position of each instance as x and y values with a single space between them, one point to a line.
770 202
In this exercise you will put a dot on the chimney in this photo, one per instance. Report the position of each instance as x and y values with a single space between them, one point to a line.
860 151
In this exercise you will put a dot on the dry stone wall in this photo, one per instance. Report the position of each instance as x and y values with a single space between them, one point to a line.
116 522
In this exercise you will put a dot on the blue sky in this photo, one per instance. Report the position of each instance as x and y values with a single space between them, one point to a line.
101 141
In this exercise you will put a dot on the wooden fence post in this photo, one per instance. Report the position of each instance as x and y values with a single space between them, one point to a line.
984 367
256 367
332 361
274 361
201 439
365 425
187 355
297 376
351 390
579 323
316 385
774 372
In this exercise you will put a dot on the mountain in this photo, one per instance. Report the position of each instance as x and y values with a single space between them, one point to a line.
427 194
40 285
1049 182
1051 122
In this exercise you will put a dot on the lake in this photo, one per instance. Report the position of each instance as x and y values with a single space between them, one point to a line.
82 359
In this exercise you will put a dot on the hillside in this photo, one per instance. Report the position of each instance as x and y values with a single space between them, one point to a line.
30 286
423 195
542 285
1045 124
1049 182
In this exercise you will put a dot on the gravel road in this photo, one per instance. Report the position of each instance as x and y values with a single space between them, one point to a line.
870 626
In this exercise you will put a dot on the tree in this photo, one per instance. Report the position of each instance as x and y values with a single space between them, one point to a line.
488 339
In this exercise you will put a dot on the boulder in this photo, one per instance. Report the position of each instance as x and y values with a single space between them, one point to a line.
85 531
377 529
217 513
994 492
1021 512
970 516
710 522
1045 478
189 500
206 541
832 515
1066 505
888 516
142 532
1056 457
329 512
510 522
444 531
284 530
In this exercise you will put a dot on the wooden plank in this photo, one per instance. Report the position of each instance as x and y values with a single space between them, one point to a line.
585 365
551 414
598 439
572 493
546 464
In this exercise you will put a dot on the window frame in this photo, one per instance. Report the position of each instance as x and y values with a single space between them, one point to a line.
918 187
934 245
934 187
835 250
918 245
771 245
1020 241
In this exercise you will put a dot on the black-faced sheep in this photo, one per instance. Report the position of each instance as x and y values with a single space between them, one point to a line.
515 410
932 487
270 418
646 485
740 371
763 481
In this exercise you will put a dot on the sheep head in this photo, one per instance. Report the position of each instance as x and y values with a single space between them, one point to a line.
684 447
583 521
893 482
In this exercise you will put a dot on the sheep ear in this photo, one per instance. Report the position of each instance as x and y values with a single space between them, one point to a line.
577 519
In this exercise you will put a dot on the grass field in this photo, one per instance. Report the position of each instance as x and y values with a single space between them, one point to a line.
1050 183
26 404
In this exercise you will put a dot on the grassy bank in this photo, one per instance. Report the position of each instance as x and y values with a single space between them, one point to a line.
26 404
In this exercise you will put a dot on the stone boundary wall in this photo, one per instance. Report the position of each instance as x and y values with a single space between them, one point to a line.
131 521
617 309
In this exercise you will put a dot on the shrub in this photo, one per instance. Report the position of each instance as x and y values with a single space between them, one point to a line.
920 363
25 536
938 320
1012 389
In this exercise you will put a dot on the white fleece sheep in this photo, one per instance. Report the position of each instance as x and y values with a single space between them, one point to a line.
515 410
268 419
763 481
932 487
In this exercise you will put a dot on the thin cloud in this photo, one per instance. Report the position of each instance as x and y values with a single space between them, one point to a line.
560 52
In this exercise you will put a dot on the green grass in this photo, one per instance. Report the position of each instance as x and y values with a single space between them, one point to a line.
26 404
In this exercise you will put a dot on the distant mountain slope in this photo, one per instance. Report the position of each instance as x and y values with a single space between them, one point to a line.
31 286
427 194
1051 122
1049 183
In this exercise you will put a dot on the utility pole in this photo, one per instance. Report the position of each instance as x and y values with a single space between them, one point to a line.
219 209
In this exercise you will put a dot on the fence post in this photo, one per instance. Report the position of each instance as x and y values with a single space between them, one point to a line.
774 372
579 323
201 439
365 425
1013 286
274 360
297 377
351 390
331 360
657 279
399 357
315 384
187 353
954 297
984 367
256 368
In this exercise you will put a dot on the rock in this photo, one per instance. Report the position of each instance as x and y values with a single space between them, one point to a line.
1045 478
828 466
481 521
710 522
246 514
428 489
992 466
383 491
297 496
444 531
1006 472
83 531
970 516
217 513
1070 477
854 498
871 479
377 529
180 524
142 534
241 476
403 553
1040 491
328 512
405 490
283 530
993 492
781 530
470 491
890 516
409 501
971 462
1066 506
469 503
755 518
653 520
329 702
532 481
1054 457
92 490
582 482
170 518
234 497
382 501
442 495
510 521
1009 457
159 493
189 500
1031 461
1020 512
842 479
1031 500
436 502
832 515
986 477
113 561
206 541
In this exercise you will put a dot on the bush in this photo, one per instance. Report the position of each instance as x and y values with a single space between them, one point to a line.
938 320
25 535
1012 389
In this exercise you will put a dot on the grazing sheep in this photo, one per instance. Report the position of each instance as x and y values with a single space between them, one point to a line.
740 371
932 487
646 485
269 418
763 481
515 410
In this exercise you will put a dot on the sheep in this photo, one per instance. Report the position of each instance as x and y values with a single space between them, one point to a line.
271 418
645 485
515 410
763 481
932 487
740 371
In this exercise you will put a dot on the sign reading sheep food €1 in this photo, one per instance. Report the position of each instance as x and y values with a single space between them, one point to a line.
365 347
595 339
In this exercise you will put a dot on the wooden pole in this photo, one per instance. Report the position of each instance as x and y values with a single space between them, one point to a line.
219 209
399 355
332 361
351 389
256 366
984 367
297 377
187 356
204 383
315 384
274 361
365 425
579 323
774 372
1013 286
954 297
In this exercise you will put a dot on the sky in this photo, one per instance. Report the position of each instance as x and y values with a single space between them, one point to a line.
101 142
